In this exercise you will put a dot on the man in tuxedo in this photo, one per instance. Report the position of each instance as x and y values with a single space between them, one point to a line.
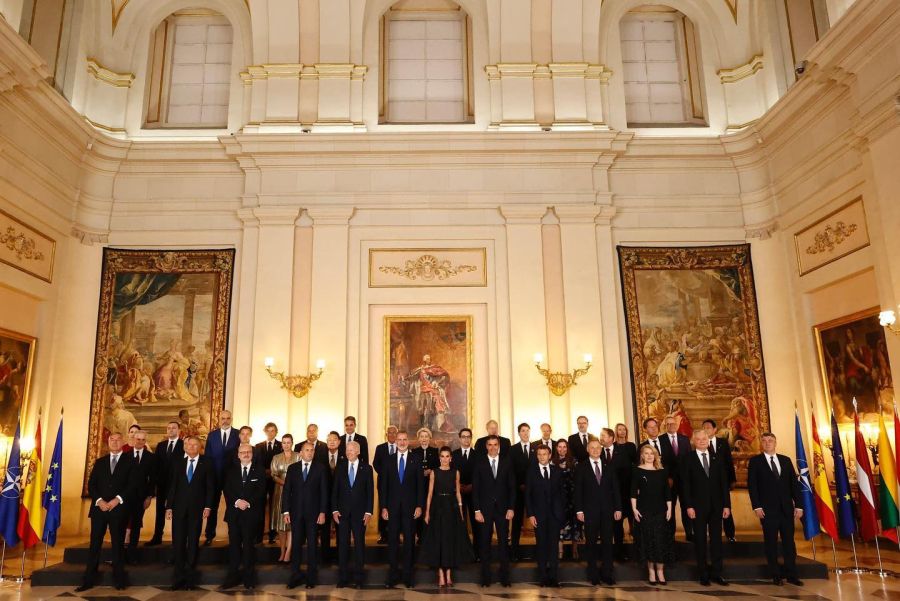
493 429
463 459
192 492
775 498
146 466
616 459
168 450
350 434
494 500
719 447
547 437
383 455
112 486
675 448
578 442
267 450
402 490
704 484
304 503
320 448
220 444
352 500
522 456
598 504
245 497
547 510
332 458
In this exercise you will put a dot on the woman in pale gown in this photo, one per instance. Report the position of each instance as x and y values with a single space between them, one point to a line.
279 467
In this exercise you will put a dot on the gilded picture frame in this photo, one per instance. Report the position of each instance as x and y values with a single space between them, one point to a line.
423 386
162 343
694 342
17 352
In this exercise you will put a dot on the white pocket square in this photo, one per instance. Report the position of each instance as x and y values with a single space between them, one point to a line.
254 480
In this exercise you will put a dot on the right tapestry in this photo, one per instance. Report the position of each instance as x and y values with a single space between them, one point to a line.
694 342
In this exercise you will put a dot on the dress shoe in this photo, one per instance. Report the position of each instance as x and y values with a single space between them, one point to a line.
153 542
543 583
227 585
409 584
382 540
249 587
661 582
176 587
505 583
207 542
390 584
704 581
595 582
555 583
731 539
310 585
84 587
609 581
720 581
777 581
795 581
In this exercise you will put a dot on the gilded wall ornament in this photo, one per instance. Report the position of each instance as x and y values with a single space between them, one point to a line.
19 243
428 267
831 237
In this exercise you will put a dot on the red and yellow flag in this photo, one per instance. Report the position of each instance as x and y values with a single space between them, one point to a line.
30 527
821 491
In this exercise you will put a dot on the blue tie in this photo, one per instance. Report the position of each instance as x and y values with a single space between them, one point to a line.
190 471
305 471
352 476
402 467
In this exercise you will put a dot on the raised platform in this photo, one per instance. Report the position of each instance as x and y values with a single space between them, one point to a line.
744 560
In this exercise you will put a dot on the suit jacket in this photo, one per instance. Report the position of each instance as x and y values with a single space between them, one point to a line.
704 493
481 445
305 500
774 494
577 448
106 485
596 501
429 457
671 459
464 466
356 501
259 457
265 454
401 498
521 461
542 495
165 460
252 490
381 455
363 446
320 454
146 474
189 499
723 450
217 453
492 496
620 462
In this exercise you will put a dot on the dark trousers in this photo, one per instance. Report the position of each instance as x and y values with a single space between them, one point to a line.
160 520
518 519
686 522
185 541
211 522
101 521
242 532
494 519
263 522
728 526
351 524
382 524
602 528
708 524
401 522
546 535
304 531
469 510
773 527
135 522
325 536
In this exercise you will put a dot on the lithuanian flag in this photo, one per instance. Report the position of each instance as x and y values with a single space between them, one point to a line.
29 527
887 492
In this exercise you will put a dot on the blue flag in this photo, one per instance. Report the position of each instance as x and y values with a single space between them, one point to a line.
807 501
52 500
9 495
844 509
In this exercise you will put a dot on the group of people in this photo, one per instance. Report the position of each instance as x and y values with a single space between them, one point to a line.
579 489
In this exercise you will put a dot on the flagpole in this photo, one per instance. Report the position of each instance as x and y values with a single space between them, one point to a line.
837 570
5 469
813 540
45 555
880 571
21 577
855 570
2 558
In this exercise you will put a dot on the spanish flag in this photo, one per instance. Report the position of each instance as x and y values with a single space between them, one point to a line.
890 518
824 506
29 528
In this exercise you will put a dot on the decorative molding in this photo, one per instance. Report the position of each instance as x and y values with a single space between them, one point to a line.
117 6
523 214
112 130
341 71
21 245
761 231
547 71
428 267
300 71
339 215
732 8
89 238
271 70
735 74
25 248
20 64
107 76
831 237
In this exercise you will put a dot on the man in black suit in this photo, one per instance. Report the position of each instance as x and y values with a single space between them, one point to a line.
578 441
350 434
111 486
267 450
332 458
463 459
304 502
547 437
719 447
493 429
383 454
547 510
704 484
401 489
191 496
352 500
522 457
320 449
245 498
494 500
616 459
168 450
775 497
244 435
146 467
598 504
676 447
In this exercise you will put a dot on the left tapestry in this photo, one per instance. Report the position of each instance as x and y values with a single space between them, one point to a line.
162 337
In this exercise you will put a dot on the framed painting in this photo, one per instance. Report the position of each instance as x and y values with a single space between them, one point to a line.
853 360
694 342
16 364
428 374
162 336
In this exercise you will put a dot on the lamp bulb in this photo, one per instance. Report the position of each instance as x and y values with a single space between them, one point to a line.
887 318
269 361
320 364
588 358
538 358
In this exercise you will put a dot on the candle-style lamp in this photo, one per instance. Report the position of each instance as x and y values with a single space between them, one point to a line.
297 385
560 382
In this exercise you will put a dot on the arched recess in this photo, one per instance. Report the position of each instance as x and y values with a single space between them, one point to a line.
371 19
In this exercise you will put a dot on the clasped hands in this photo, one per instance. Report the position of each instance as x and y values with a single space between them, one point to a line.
416 514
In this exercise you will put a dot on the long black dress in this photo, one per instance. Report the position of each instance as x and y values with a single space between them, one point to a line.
445 543
654 540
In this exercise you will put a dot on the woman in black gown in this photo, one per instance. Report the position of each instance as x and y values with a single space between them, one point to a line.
651 504
446 543
572 530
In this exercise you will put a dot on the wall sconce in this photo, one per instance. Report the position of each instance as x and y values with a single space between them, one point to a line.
888 319
297 385
560 382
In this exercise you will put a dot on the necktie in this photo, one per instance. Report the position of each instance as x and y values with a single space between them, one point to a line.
466 454
352 476
171 447
774 467
270 446
402 469
597 473
525 448
244 480
224 438
494 467
655 446
190 474
584 440
332 461
546 473
390 449
305 470
112 466
712 448
675 443
137 455
606 454
705 463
